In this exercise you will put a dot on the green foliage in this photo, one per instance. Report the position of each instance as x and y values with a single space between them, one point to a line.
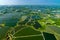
27 24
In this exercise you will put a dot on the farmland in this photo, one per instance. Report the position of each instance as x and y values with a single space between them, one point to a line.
29 22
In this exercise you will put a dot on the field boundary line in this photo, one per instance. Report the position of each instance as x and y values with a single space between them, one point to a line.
28 36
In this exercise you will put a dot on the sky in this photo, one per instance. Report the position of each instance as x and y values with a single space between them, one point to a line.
29 2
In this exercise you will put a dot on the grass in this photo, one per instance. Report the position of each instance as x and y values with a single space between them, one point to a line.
26 31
